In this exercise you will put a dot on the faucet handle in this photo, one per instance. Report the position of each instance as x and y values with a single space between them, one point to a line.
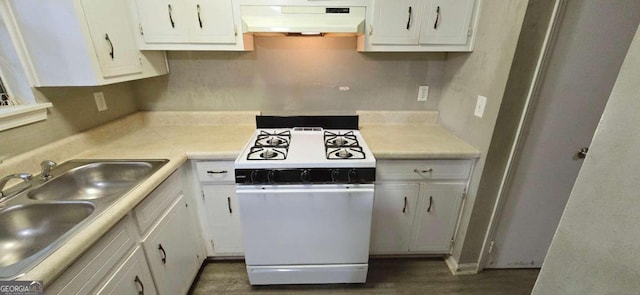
47 165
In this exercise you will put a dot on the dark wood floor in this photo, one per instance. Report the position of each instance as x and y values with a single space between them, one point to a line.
386 276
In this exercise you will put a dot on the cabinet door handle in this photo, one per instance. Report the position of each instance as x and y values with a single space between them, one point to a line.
404 209
164 254
229 205
409 20
435 24
139 283
173 24
106 37
217 172
423 171
430 203
199 19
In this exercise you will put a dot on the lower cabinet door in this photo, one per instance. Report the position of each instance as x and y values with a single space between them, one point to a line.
171 249
436 217
223 215
393 211
131 278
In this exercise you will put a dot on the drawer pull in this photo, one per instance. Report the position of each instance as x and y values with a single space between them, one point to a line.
139 283
217 172
164 254
430 203
430 170
404 209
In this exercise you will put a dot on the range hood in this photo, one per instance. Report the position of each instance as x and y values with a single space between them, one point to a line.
305 20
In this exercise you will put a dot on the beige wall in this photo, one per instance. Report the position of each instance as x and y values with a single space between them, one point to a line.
73 111
294 74
484 72
595 248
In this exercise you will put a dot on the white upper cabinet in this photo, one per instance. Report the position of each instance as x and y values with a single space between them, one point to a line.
447 22
397 22
80 42
420 25
189 25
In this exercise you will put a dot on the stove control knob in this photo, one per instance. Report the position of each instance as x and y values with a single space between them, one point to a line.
253 176
271 176
305 175
334 175
352 176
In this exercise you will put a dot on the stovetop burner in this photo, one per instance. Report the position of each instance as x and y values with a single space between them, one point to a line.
343 146
267 153
270 146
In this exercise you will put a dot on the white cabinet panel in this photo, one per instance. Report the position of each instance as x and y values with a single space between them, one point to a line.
397 22
163 21
447 22
221 205
393 211
212 21
171 249
131 278
113 41
436 217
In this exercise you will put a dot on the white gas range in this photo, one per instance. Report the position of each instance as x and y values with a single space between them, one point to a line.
305 191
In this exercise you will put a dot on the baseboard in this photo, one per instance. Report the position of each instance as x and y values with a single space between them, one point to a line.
461 269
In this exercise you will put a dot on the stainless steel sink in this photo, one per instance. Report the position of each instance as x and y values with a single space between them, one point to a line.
37 221
27 229
94 181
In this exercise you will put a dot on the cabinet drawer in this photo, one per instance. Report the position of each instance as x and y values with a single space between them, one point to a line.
423 170
216 171
93 266
157 202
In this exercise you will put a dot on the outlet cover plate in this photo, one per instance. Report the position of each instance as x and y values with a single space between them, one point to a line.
423 93
100 103
480 104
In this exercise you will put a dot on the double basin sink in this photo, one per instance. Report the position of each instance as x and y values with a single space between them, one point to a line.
48 213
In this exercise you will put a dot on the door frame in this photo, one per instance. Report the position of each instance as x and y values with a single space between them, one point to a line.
523 124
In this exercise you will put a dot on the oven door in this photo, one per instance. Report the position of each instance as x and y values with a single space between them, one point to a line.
306 224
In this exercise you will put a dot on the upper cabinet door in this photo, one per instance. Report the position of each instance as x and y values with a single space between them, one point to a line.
163 21
211 21
112 38
447 22
397 22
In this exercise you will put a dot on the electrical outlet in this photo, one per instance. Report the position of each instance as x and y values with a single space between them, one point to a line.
423 93
480 104
100 103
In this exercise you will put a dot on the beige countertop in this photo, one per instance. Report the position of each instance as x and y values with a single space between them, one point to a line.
180 136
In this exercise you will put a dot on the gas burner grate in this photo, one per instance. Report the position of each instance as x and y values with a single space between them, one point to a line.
342 146
273 139
267 153
345 153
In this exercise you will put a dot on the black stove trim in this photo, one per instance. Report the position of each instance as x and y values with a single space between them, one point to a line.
305 176
326 122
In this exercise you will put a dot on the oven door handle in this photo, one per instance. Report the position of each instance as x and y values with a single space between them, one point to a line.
292 189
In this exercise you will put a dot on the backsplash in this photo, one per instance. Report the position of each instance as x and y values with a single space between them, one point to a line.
294 75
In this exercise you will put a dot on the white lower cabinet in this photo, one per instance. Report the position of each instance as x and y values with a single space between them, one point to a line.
417 205
219 208
171 249
132 278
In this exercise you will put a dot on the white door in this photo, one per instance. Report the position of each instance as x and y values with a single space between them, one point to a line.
223 215
113 38
211 21
394 207
436 217
171 250
164 21
397 22
447 22
592 41
306 224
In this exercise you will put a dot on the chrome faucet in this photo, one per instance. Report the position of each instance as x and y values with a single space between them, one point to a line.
47 165
4 180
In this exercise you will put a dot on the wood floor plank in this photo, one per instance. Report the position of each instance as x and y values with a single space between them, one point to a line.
386 276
